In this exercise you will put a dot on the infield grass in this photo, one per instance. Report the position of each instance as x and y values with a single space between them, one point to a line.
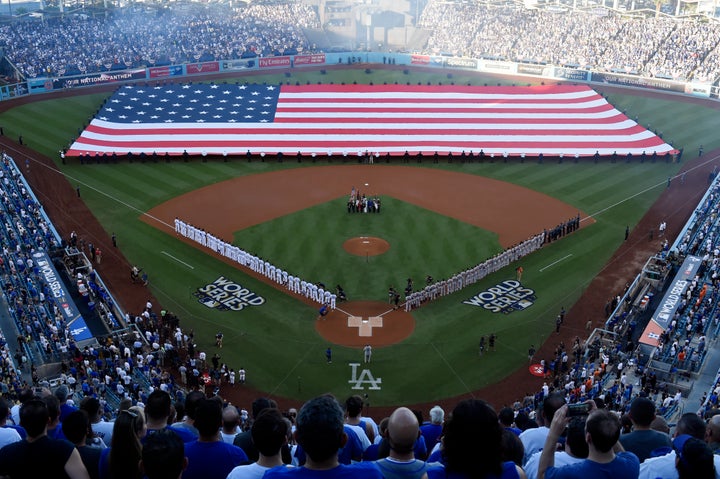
276 342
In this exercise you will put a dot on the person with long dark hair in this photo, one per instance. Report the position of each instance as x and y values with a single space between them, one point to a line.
472 445
121 460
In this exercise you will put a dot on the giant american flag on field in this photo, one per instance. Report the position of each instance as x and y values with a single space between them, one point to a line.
232 119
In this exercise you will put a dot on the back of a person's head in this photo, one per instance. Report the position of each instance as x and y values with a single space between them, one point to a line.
125 403
403 430
258 405
695 459
191 402
642 411
319 427
552 403
604 429
76 426
506 416
575 438
512 447
61 393
157 406
691 424
163 455
660 424
25 395
437 415
90 405
522 421
354 405
269 431
208 417
472 439
53 406
4 408
125 449
230 417
34 417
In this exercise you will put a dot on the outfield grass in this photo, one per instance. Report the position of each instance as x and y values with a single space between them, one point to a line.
444 344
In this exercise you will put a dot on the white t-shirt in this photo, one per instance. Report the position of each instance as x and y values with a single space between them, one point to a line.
249 471
8 435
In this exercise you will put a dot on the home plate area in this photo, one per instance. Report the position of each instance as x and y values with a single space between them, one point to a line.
365 325
358 323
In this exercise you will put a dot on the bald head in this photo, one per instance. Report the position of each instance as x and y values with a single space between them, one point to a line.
403 430
713 429
230 417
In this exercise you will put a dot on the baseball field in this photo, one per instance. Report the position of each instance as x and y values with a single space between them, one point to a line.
294 215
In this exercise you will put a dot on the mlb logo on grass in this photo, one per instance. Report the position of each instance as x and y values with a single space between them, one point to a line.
224 294
505 297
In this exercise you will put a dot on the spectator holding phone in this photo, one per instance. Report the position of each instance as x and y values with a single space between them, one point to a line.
606 456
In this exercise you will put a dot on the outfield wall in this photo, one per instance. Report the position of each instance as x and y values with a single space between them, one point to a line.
188 70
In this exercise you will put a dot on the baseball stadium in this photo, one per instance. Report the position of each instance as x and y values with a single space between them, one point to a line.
444 201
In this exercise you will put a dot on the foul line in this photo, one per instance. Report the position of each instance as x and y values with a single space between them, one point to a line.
297 363
176 259
380 315
555 262
453 370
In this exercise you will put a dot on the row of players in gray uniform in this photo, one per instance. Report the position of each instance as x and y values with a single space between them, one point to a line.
294 284
465 278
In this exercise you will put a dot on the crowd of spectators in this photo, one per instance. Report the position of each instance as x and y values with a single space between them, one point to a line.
137 37
605 41
133 37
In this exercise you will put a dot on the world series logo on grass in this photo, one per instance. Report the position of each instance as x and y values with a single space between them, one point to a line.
226 295
505 297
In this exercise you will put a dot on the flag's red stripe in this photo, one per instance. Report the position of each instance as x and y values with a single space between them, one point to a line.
119 132
431 100
486 90
330 111
363 145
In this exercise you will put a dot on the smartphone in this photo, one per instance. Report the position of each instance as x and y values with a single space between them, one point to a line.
578 409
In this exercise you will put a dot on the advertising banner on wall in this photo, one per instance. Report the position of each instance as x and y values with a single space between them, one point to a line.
301 60
419 59
167 71
98 78
571 74
205 67
498 66
459 62
274 62
631 80
239 64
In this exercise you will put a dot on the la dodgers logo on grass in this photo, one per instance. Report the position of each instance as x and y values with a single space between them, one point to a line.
505 297
365 377
224 294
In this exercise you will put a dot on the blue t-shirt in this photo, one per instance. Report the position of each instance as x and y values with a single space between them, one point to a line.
436 471
360 470
625 466
212 460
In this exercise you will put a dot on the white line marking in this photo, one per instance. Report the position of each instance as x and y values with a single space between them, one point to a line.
554 263
176 259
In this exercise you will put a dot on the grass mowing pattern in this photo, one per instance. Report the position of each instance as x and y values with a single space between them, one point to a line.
440 359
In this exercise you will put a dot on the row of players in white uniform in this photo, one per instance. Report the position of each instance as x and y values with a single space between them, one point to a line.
473 275
318 294
293 283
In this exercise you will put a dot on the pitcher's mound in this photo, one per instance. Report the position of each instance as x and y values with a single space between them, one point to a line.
357 323
366 246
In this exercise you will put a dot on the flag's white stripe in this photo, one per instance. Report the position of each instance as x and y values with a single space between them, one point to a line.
429 107
390 136
381 127
365 95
